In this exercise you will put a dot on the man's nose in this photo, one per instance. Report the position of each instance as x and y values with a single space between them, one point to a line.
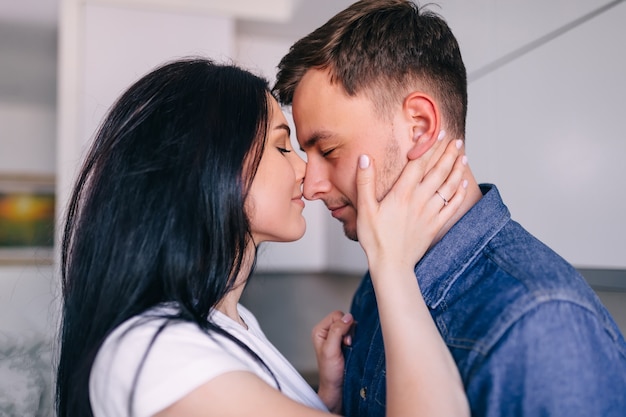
316 182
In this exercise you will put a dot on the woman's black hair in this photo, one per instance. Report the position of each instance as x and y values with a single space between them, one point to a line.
157 212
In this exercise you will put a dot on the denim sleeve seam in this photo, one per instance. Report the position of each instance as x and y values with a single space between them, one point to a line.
484 349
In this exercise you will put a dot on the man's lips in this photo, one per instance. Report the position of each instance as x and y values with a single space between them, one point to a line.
336 211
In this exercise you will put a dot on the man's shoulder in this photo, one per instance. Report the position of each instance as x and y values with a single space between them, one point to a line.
506 293
516 252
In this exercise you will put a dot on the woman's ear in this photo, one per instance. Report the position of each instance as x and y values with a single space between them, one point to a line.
424 117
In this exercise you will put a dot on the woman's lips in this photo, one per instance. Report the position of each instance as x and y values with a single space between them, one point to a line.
298 200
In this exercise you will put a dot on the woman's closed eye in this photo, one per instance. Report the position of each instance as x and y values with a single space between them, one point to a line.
283 150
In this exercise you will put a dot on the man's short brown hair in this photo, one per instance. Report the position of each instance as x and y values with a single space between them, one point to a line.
385 49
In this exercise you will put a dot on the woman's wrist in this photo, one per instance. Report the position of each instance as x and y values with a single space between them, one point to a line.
390 271
331 396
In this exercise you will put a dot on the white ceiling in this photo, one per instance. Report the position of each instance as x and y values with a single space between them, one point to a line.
306 14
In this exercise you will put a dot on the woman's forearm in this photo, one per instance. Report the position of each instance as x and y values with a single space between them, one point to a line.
422 377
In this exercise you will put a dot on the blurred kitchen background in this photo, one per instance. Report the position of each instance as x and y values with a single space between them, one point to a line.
545 123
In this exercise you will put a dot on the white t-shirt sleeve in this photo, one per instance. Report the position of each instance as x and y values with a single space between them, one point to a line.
181 359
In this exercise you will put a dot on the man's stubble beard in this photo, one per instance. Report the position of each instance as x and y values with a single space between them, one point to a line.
386 176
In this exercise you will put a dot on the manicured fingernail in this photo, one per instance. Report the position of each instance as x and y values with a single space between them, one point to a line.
464 183
347 318
464 160
364 161
348 341
459 143
442 134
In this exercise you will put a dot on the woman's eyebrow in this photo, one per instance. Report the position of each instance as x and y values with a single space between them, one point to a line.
284 127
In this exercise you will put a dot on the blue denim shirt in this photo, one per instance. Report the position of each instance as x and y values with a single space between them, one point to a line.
528 334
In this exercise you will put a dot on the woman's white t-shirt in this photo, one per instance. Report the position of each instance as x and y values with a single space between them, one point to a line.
181 359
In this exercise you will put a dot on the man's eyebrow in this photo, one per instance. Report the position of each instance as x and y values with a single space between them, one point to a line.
314 139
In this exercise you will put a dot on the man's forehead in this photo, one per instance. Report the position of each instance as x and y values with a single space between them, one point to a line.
317 81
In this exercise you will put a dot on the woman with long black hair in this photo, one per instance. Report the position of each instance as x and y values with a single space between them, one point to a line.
191 170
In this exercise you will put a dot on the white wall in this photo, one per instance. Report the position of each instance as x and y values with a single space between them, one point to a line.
547 127
106 47
27 136
27 99
111 60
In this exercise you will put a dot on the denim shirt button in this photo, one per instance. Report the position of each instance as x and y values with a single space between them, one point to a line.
363 393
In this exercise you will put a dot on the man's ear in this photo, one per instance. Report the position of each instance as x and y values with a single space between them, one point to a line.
424 119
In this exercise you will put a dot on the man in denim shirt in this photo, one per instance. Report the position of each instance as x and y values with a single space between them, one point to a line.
529 336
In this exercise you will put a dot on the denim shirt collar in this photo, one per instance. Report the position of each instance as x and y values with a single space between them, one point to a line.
445 262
